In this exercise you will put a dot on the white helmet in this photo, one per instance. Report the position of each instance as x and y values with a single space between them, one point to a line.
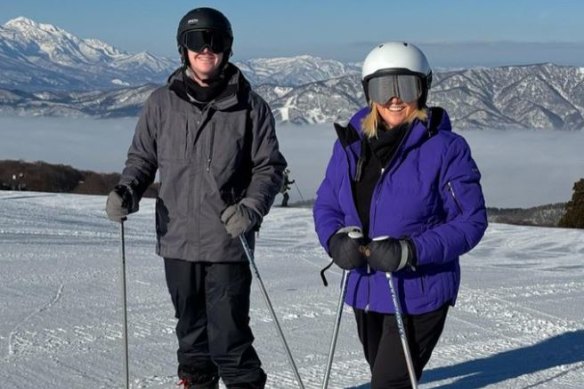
397 58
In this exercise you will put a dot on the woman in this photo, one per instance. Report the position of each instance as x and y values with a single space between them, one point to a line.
401 195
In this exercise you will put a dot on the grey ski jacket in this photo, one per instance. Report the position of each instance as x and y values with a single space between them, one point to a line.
207 159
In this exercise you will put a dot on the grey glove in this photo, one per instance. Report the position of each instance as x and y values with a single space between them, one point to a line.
120 203
239 219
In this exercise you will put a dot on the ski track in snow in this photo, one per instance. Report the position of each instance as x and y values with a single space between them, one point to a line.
14 333
518 321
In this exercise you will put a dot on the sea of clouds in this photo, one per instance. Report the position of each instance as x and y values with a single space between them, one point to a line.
520 168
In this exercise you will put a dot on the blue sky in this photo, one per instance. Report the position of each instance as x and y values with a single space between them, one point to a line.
453 33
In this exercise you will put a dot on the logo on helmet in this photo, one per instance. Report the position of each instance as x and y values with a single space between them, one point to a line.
193 21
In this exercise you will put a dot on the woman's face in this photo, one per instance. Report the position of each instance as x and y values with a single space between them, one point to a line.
204 64
396 111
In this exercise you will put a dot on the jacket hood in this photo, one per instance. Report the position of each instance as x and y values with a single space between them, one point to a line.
438 119
351 136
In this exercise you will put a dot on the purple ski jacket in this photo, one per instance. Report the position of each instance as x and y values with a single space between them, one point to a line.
429 192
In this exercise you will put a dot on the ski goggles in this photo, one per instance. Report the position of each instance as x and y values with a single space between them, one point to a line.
407 87
198 40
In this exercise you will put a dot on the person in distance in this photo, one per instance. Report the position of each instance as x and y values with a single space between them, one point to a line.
286 188
212 140
401 194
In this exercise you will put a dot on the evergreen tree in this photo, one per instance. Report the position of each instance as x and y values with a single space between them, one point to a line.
574 216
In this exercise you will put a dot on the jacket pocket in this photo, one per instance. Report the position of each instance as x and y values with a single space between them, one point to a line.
225 159
455 199
414 285
173 139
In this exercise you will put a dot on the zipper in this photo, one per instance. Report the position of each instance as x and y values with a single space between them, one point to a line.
383 170
350 176
453 194
187 142
376 198
368 288
210 158
369 273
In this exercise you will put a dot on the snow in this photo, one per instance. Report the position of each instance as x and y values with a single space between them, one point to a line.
116 81
518 322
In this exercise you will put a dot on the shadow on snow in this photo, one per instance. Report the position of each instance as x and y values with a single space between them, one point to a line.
564 349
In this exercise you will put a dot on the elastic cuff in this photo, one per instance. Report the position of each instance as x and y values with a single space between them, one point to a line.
405 254
412 254
354 232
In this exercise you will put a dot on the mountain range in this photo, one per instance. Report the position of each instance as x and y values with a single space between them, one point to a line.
47 71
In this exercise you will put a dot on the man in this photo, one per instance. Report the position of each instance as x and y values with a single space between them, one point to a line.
286 183
213 141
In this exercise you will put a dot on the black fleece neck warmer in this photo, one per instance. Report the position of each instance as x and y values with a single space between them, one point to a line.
386 142
376 153
204 94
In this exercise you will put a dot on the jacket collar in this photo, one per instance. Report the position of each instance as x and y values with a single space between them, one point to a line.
438 120
235 91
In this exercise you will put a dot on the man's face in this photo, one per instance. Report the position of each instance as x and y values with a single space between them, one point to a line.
204 64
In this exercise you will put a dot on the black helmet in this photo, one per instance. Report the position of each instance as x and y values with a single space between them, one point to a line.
204 19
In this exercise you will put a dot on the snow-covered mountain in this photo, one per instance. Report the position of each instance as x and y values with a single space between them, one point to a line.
542 96
42 64
294 71
532 96
36 56
123 102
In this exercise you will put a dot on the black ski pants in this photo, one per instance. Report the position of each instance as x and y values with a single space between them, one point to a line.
383 349
285 199
211 302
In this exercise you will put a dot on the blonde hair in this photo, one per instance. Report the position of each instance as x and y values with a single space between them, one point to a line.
371 122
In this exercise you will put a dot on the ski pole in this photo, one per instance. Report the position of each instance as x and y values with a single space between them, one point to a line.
402 332
335 330
298 189
125 306
251 259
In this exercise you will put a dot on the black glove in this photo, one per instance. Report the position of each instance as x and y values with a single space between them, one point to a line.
239 219
346 248
120 203
388 255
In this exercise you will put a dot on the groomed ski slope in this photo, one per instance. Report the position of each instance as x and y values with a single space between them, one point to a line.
518 323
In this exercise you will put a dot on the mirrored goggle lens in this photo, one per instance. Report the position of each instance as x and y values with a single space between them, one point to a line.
199 40
406 87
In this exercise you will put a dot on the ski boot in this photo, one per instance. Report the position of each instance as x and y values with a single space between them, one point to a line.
188 383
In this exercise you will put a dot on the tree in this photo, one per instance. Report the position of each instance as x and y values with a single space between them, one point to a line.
44 177
574 216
